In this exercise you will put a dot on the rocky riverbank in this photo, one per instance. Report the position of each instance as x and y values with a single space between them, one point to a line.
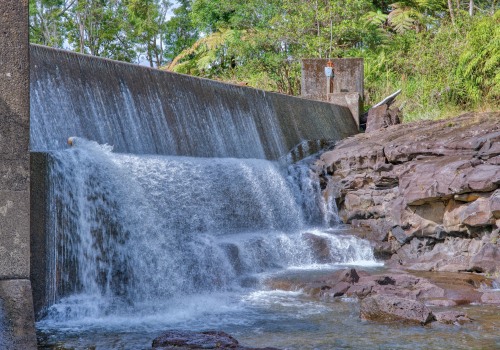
426 194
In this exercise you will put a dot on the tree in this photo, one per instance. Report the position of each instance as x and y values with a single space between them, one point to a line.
147 20
180 33
97 27
262 41
47 18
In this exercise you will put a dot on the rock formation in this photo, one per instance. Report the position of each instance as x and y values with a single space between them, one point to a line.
389 308
426 194
189 340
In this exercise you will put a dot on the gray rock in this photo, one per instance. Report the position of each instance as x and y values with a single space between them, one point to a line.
452 317
183 340
391 308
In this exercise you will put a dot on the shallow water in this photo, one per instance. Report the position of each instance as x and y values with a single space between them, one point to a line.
285 319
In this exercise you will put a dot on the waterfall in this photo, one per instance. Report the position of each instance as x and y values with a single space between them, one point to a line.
128 229
148 111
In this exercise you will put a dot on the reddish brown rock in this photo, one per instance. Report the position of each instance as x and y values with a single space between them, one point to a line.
487 259
184 340
338 290
495 204
319 246
491 297
436 181
391 308
347 275
381 117
452 317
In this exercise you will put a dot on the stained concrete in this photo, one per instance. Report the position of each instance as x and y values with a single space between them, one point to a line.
16 315
16 307
349 77
14 234
39 245
14 140
142 110
346 88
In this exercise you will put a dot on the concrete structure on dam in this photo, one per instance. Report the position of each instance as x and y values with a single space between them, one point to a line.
344 88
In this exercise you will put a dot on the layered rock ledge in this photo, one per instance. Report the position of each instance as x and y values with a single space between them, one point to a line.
426 194
397 295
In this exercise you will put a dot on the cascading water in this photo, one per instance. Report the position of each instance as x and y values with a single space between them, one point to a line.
139 244
130 234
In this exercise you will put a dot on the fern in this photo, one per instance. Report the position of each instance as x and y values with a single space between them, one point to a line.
376 19
206 49
477 75
403 18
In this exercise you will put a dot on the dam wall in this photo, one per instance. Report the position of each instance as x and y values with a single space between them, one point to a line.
139 110
148 111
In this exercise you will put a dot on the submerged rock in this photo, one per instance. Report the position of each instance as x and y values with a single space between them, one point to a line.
443 289
391 308
184 340
452 317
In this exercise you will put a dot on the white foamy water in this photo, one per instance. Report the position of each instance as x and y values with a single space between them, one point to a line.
148 242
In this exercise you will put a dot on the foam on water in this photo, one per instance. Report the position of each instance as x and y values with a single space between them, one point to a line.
178 241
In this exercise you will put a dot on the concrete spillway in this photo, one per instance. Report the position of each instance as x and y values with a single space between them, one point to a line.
147 111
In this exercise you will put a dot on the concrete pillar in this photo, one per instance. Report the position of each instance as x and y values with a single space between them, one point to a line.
349 77
17 329
348 84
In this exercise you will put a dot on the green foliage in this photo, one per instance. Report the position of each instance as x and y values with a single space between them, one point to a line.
180 32
440 71
268 38
47 21
96 27
477 76
147 23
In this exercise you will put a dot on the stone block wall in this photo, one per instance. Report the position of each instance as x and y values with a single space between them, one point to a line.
16 307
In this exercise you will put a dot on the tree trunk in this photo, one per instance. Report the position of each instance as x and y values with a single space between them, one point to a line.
450 8
471 8
82 37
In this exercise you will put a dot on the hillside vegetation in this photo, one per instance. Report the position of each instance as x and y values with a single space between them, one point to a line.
443 54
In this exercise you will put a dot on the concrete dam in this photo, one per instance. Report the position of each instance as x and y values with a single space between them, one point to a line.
143 111
146 111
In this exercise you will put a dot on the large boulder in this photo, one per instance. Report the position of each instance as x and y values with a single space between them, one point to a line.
391 308
381 117
184 340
